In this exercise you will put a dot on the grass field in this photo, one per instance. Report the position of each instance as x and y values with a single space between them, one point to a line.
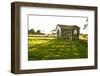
49 48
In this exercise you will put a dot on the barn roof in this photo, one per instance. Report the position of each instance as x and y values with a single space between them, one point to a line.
68 26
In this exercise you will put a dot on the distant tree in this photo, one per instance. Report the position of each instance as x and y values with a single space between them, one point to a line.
86 24
38 32
31 31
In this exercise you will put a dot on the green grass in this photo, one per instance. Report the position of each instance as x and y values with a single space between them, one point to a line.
49 48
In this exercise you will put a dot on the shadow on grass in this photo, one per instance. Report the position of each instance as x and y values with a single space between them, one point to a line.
57 49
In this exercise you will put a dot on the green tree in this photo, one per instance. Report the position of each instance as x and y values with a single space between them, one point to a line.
38 32
31 31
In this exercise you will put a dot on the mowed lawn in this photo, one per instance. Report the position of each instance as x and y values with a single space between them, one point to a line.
50 48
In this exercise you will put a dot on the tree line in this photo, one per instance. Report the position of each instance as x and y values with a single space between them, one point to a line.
32 31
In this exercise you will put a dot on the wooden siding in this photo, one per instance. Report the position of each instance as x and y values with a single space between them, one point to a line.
67 33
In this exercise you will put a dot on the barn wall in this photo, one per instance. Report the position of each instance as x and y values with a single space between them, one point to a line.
65 33
76 36
58 28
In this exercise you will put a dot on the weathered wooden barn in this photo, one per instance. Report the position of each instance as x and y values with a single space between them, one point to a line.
67 31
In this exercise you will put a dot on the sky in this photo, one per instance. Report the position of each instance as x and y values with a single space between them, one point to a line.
47 23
